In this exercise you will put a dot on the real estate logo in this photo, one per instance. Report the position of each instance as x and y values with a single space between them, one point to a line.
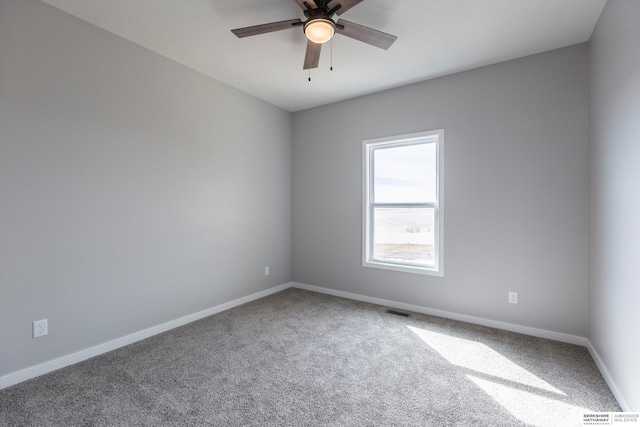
611 418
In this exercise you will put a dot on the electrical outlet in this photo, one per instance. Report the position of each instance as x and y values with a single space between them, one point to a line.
266 271
513 297
40 328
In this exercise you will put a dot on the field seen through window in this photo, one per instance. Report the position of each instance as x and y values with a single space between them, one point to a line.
404 235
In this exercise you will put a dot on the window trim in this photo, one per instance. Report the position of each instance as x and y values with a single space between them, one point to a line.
437 137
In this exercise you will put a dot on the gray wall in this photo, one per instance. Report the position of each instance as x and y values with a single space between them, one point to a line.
516 190
133 190
614 287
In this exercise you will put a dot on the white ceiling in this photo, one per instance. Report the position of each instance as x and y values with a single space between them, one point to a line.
435 38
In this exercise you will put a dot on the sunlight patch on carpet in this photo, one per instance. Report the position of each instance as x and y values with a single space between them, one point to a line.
480 358
530 408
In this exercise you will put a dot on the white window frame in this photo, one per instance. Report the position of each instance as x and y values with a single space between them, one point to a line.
368 148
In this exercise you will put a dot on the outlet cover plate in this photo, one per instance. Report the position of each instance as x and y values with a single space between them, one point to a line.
513 297
40 328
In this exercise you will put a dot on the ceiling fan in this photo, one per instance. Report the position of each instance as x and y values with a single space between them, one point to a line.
320 28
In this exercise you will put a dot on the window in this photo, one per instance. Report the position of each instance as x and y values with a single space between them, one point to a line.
402 209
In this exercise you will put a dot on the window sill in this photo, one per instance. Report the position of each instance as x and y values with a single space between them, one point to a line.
429 271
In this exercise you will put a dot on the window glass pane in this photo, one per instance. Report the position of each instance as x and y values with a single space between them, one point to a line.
404 235
405 174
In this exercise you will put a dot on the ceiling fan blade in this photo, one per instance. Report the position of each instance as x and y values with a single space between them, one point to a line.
366 34
312 57
266 28
344 5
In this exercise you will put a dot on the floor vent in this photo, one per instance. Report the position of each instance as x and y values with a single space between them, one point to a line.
398 313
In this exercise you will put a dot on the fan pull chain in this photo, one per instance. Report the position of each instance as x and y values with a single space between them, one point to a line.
309 74
331 56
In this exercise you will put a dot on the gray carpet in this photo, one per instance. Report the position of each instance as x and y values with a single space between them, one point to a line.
299 358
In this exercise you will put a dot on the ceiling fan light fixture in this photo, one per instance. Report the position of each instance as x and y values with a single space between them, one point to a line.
319 30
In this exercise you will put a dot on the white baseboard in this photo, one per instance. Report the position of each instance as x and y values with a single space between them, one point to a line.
608 378
70 359
541 333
